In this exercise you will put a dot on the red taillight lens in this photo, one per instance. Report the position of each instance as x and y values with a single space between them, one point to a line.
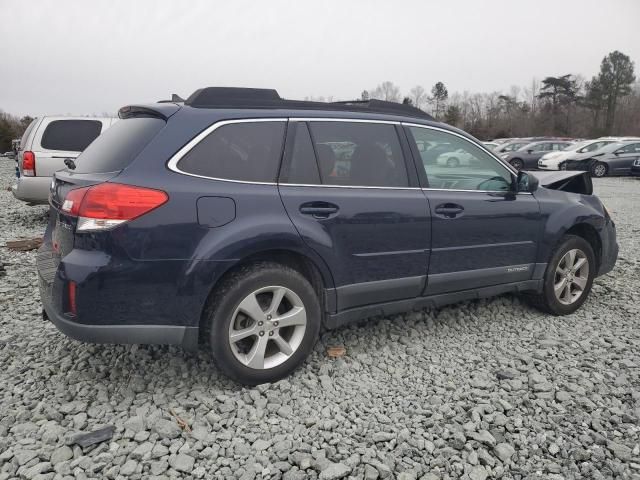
29 164
108 204
73 200
72 297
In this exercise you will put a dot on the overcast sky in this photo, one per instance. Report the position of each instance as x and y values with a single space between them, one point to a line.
76 56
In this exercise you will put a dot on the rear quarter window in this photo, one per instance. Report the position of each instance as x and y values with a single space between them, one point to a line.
70 135
245 151
119 145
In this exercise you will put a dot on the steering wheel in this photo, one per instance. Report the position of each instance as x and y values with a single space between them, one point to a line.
492 179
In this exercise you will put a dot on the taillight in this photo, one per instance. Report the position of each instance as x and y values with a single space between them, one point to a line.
29 164
106 205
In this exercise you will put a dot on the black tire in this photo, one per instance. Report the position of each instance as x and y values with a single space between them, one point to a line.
517 163
546 300
599 169
453 162
562 166
227 297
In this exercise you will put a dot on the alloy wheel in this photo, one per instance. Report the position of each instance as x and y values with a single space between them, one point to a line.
267 327
572 275
599 170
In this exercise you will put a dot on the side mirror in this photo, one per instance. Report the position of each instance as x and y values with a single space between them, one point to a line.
526 182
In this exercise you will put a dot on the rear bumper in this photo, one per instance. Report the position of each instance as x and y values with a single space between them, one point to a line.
32 189
98 310
123 334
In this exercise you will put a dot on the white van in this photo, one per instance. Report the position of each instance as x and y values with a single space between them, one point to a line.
45 145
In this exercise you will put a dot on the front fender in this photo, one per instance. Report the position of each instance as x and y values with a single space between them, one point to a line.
563 210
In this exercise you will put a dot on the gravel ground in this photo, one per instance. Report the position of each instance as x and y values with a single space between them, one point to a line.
485 389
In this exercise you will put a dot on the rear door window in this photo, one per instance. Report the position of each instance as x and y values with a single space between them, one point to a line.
119 145
244 151
70 135
359 154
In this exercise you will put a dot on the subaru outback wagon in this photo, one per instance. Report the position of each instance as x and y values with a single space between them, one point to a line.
247 222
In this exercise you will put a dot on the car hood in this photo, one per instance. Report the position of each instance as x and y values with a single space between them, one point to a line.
567 181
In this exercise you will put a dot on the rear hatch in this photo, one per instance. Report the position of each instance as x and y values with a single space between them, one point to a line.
101 162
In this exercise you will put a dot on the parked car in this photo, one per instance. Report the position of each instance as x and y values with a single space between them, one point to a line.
45 145
225 220
491 145
556 160
456 158
9 154
511 146
613 159
527 157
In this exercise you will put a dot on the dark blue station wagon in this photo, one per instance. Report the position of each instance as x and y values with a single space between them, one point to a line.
246 221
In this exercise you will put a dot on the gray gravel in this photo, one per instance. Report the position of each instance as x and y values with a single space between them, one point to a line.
486 389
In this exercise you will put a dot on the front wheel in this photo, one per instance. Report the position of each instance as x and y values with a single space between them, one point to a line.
568 278
453 162
563 166
263 322
517 164
598 169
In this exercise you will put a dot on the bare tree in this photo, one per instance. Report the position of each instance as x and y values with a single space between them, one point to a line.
418 96
386 91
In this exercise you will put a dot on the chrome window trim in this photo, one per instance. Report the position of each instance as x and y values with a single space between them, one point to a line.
347 120
345 186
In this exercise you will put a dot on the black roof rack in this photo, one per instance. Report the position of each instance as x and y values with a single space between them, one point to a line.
232 97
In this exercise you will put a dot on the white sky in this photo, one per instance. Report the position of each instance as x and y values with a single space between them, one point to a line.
79 56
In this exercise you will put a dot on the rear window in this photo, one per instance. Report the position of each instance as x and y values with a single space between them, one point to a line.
119 145
70 135
247 151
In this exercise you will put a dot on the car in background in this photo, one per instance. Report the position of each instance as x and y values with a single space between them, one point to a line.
44 148
491 145
511 146
456 158
527 157
556 160
613 159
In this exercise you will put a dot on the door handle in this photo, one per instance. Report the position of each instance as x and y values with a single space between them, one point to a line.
449 210
318 209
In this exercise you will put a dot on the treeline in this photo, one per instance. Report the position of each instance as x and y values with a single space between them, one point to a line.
11 127
566 105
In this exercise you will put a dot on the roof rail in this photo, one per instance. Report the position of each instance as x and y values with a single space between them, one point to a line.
232 97
387 107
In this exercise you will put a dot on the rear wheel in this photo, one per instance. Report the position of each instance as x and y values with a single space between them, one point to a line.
568 278
599 169
517 163
263 321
